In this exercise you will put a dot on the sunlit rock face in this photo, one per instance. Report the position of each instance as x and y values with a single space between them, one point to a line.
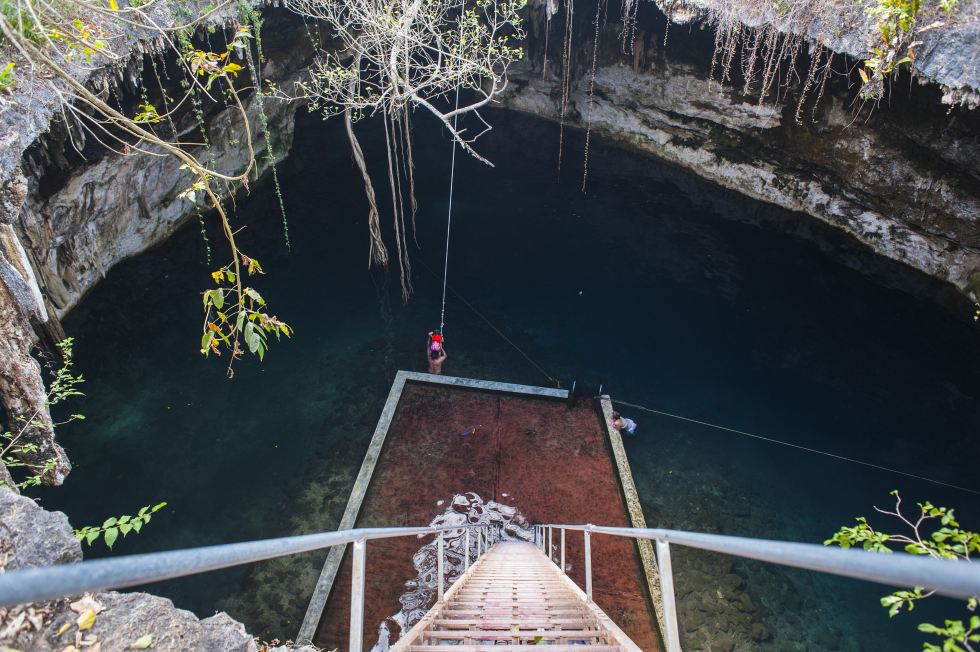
120 205
84 216
902 178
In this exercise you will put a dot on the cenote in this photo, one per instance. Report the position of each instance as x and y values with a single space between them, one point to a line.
668 291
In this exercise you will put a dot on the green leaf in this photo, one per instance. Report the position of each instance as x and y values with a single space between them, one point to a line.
110 536
142 642
137 524
159 506
218 296
124 519
91 536
249 336
255 296
109 522
143 511
125 528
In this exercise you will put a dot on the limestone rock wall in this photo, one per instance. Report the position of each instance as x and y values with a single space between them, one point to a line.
904 183
121 205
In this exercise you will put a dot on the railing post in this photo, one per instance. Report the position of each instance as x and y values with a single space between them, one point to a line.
551 557
562 550
357 597
467 553
588 565
442 543
667 595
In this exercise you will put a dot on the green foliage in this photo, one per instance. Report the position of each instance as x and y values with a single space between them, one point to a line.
954 632
211 65
7 78
896 30
113 527
19 18
947 542
61 388
246 318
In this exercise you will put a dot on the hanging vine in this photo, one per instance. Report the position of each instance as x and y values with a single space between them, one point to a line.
396 56
251 16
58 46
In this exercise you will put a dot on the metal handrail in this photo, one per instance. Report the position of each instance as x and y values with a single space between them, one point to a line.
37 584
946 577
50 582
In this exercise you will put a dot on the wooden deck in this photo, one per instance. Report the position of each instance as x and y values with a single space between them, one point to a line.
515 596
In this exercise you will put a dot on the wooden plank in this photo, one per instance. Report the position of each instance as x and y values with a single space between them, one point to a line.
647 556
421 377
329 571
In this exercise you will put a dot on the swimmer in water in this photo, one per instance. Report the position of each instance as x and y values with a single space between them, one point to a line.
621 423
435 354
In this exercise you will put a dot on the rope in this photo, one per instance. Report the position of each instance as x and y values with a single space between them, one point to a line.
490 324
449 222
812 450
445 285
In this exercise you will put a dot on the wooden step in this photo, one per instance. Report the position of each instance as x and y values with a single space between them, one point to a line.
515 648
514 595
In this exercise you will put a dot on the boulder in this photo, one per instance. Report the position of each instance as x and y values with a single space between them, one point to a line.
723 643
33 536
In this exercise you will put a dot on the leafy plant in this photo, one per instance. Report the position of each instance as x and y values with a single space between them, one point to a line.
20 19
63 41
947 542
249 322
7 78
13 449
896 32
113 527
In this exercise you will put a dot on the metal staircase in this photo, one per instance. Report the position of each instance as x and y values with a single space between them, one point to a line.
516 597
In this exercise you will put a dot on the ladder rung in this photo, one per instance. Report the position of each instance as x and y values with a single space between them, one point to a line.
574 634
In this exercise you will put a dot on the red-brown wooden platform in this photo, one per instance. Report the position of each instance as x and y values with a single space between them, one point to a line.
562 473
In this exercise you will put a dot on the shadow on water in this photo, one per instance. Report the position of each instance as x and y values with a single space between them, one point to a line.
672 293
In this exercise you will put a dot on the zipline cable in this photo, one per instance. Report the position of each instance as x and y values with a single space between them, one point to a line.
812 450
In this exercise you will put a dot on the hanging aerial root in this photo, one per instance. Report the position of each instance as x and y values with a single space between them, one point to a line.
377 254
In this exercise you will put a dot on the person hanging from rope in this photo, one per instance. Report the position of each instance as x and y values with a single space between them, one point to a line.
621 423
435 354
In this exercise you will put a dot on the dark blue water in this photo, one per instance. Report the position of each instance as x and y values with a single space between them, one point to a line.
671 293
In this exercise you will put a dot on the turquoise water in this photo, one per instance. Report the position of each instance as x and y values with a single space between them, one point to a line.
667 291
